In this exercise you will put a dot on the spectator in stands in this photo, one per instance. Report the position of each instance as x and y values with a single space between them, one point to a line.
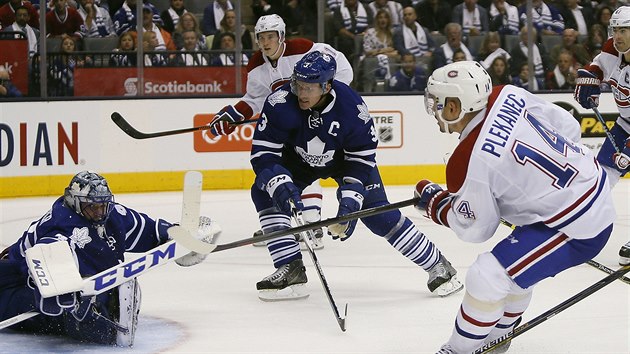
504 18
579 18
378 48
191 55
188 22
519 55
350 20
547 19
392 7
472 17
7 89
291 12
125 52
434 15
491 49
97 21
163 38
563 75
602 16
522 79
7 13
332 5
458 55
228 45
444 54
213 14
410 77
125 18
228 25
570 44
63 19
499 71
61 68
150 44
171 16
22 16
413 38
597 36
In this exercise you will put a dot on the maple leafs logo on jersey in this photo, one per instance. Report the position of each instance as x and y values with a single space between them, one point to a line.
364 113
279 96
314 154
80 237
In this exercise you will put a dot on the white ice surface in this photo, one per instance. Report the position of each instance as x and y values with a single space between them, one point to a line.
213 307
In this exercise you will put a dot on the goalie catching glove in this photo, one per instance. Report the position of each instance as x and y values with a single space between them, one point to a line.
350 198
434 202
222 122
587 87
207 232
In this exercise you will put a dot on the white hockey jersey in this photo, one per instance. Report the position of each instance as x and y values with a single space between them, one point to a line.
519 160
263 78
610 67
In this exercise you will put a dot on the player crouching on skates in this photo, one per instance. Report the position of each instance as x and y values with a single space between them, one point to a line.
611 66
317 127
518 159
98 231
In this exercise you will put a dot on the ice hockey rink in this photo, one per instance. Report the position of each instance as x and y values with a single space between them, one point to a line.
213 307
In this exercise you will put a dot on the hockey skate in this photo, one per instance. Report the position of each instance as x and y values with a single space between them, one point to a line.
624 254
287 283
442 279
318 243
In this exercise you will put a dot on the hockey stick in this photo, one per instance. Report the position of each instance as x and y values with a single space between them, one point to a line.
603 122
607 270
142 263
309 239
201 247
520 330
136 134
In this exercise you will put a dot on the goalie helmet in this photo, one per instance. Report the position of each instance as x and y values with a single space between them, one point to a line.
314 67
89 196
269 23
466 80
619 18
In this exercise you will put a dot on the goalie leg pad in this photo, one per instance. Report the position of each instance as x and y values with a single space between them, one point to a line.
129 300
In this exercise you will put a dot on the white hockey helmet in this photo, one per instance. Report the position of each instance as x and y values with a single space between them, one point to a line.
269 23
466 80
619 18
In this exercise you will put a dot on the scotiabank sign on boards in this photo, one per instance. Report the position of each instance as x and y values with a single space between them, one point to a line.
14 58
162 81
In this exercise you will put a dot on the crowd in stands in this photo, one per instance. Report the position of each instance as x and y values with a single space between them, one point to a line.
393 45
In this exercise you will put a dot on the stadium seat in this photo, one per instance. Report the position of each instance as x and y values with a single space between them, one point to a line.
97 44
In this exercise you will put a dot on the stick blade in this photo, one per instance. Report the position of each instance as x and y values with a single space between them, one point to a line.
184 238
118 119
191 203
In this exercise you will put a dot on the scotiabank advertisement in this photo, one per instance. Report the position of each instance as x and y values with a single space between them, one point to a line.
14 58
162 81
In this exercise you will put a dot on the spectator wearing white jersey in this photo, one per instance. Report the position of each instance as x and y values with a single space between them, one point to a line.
97 21
413 38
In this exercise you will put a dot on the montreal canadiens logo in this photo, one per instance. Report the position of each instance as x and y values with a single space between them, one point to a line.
452 73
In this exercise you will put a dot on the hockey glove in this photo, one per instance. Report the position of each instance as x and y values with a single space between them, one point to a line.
207 232
54 305
350 198
622 159
587 86
278 183
221 124
434 201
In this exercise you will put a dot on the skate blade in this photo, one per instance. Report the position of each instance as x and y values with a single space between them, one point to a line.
450 287
293 292
624 261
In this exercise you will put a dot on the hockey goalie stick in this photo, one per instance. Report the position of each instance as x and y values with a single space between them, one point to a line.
142 262
136 134
177 232
520 330
603 122
309 240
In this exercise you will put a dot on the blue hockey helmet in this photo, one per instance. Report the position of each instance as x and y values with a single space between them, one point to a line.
89 196
314 67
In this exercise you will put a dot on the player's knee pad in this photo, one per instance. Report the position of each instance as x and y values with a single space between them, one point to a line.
487 281
312 199
272 219
606 152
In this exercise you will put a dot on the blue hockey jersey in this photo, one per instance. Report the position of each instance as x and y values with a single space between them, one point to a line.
95 248
339 141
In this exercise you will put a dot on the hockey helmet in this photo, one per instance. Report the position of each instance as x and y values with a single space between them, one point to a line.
619 18
269 23
466 80
89 196
314 67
